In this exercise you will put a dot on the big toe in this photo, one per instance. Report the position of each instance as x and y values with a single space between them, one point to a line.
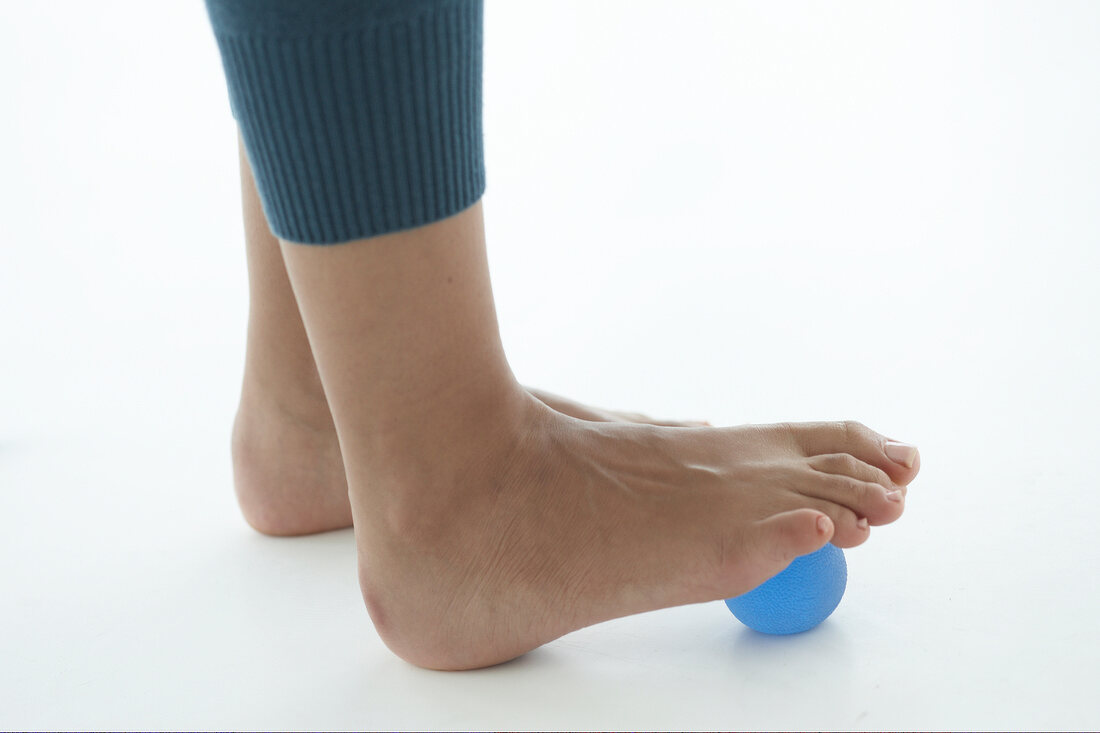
900 461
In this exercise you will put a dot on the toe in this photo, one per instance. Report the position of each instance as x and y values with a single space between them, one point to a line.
768 546
877 503
900 461
845 464
850 529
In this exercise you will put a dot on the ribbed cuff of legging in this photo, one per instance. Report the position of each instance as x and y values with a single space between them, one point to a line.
360 117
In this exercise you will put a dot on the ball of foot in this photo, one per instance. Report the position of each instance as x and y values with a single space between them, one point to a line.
799 598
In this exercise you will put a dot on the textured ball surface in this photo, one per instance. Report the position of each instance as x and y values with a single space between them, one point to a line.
799 598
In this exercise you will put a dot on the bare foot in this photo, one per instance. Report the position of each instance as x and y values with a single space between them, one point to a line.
488 523
287 470
546 524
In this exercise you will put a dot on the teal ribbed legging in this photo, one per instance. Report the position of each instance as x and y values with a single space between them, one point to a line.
359 117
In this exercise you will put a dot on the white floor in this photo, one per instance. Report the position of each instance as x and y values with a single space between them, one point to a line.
744 212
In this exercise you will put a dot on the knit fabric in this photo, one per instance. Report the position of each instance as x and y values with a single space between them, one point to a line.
360 117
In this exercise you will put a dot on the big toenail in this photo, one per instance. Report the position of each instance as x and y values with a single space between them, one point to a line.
903 453
894 495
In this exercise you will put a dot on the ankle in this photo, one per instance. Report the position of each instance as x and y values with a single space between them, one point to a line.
287 469
291 390
410 478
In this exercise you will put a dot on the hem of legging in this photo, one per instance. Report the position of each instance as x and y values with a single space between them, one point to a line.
362 131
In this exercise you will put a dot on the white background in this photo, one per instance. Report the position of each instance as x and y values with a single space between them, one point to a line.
741 212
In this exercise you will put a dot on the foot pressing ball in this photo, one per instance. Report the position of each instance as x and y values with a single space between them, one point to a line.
799 598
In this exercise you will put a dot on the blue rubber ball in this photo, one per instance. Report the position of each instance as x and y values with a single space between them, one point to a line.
799 598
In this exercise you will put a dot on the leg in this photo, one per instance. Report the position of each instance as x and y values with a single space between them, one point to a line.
487 523
288 473
287 469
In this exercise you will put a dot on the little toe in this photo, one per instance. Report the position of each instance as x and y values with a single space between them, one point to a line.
771 544
850 528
